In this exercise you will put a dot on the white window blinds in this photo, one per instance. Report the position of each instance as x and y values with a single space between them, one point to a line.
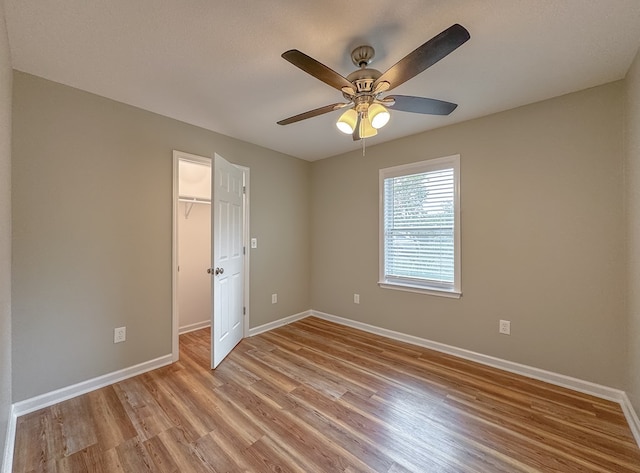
419 219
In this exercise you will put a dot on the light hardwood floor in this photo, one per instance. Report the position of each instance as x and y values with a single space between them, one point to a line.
319 397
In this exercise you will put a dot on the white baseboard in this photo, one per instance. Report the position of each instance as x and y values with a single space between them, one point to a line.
632 417
10 441
586 387
194 327
279 323
62 394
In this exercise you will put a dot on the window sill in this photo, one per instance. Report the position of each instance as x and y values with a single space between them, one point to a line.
421 290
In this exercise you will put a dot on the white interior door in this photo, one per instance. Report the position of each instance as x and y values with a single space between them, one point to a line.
227 268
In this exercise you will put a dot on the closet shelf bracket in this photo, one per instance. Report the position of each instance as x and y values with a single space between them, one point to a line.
190 202
187 209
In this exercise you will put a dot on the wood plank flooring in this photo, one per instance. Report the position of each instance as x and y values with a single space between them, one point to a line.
314 396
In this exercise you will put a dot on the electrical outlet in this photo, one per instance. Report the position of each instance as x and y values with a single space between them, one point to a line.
356 298
505 327
119 334
274 298
254 243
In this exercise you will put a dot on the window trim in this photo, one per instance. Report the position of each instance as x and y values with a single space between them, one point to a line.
429 165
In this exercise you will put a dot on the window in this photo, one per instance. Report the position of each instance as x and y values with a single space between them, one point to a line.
420 227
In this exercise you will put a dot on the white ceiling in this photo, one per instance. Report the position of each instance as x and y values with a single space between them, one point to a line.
217 64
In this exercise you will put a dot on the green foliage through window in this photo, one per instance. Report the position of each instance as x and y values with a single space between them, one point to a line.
419 227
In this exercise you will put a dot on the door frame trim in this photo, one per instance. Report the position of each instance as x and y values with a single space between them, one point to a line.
246 172
175 321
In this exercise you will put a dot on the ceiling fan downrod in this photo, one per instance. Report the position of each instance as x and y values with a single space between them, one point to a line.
362 56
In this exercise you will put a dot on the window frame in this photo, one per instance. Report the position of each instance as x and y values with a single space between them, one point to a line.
423 287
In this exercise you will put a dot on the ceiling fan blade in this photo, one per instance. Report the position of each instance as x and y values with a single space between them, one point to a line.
356 130
312 113
407 103
425 56
316 69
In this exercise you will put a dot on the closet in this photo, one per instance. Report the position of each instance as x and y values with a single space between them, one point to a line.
194 244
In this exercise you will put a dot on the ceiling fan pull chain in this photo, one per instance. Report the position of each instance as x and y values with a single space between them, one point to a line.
363 140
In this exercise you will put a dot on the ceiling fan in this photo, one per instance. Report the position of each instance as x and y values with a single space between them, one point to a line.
362 88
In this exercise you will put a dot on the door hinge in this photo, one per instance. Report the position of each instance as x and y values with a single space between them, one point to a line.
244 250
244 311
244 189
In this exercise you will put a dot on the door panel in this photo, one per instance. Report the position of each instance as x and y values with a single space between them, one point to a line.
227 259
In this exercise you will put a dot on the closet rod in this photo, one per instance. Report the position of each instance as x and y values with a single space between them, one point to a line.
194 200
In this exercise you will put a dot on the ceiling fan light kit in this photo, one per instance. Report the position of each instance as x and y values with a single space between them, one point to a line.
347 121
365 130
368 111
378 115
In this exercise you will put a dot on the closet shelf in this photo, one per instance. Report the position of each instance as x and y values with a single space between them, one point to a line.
194 200
190 201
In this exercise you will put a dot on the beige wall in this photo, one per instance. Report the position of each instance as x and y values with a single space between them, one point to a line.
543 231
632 174
92 207
542 236
194 257
5 231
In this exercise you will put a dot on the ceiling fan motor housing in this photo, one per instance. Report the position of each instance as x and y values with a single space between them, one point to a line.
363 79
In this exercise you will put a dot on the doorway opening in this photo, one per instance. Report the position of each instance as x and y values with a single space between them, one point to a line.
200 297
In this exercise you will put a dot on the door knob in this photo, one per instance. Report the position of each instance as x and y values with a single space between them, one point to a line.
219 271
